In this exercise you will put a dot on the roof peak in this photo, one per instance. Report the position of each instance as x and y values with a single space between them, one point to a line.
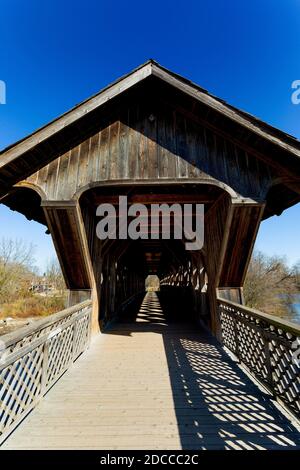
150 68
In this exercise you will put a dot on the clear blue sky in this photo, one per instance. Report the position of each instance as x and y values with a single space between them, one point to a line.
55 54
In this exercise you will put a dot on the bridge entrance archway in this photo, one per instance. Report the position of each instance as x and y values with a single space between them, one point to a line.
121 266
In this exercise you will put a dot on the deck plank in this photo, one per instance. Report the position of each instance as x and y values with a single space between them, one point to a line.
152 384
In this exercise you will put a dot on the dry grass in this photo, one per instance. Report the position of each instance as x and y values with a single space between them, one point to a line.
33 306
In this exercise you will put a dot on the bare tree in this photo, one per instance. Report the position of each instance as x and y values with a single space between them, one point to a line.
16 264
296 273
270 284
54 275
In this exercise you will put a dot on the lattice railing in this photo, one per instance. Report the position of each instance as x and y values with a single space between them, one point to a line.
268 346
34 357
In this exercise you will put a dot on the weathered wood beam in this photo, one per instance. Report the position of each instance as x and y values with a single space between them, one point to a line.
147 199
239 238
65 223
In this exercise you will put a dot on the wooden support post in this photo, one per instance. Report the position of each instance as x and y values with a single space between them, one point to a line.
65 223
230 230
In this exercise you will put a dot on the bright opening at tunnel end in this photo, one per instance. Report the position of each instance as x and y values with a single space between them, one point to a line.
154 221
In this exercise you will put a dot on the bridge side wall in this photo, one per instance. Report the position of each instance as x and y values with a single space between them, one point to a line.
152 141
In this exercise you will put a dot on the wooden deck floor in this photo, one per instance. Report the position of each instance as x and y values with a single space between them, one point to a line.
153 385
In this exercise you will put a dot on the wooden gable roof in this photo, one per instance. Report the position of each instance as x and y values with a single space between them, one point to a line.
275 147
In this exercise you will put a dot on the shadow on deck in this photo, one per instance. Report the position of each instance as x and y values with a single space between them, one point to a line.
217 406
154 382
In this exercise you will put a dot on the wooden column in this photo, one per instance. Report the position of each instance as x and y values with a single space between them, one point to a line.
230 231
238 245
65 223
216 222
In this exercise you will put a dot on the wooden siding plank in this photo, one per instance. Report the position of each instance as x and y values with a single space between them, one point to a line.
152 156
83 163
104 154
142 152
171 146
133 142
122 155
181 145
113 150
71 186
94 160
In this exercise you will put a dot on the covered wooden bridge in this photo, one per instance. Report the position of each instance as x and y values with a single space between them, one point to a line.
155 374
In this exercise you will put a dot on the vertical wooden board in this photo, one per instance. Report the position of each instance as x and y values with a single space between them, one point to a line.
152 154
162 151
170 134
200 151
264 177
57 178
114 160
89 220
249 178
133 142
51 178
191 150
142 152
242 164
145 131
97 261
71 185
63 175
122 155
83 163
221 160
215 161
104 153
229 150
203 156
193 170
42 178
93 165
209 146
181 145
252 177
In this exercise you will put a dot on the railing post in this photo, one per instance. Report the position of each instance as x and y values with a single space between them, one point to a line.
89 330
236 337
45 367
268 362
75 327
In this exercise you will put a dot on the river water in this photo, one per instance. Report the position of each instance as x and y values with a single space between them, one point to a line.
296 307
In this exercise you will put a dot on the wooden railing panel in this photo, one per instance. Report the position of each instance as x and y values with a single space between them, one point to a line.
31 364
267 346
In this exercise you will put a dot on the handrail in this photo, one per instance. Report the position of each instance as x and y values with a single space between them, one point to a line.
14 336
34 357
286 325
269 348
